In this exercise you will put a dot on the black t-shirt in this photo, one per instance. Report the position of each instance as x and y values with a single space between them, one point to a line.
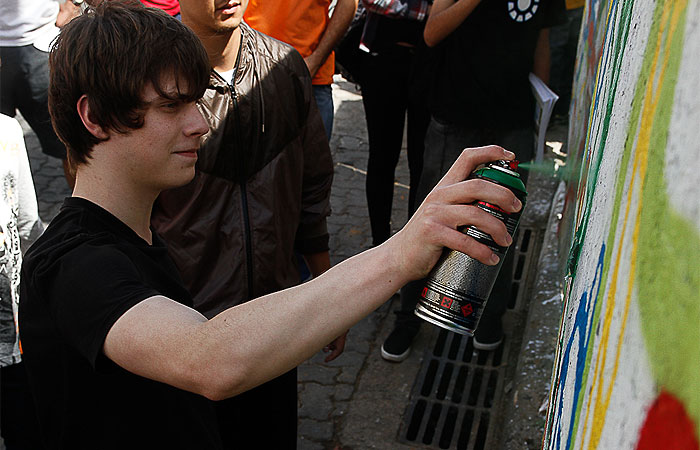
86 271
481 69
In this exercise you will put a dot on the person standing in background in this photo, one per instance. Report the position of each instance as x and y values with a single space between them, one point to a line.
481 55
20 226
563 41
27 28
171 7
390 77
261 194
313 32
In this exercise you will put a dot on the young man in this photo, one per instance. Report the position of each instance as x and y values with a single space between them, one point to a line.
261 193
116 356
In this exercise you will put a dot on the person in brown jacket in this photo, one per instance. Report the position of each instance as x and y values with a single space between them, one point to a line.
261 193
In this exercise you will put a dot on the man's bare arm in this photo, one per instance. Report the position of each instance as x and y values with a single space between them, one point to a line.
319 263
337 26
249 344
445 16
541 65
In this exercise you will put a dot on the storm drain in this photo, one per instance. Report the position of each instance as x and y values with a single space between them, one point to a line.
457 394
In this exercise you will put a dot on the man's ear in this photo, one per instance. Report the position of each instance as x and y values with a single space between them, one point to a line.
94 128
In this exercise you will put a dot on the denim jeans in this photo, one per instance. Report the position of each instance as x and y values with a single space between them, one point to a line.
324 100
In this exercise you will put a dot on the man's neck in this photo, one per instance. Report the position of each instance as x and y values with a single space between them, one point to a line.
120 198
222 49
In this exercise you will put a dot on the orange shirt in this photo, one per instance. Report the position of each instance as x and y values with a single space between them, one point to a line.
300 23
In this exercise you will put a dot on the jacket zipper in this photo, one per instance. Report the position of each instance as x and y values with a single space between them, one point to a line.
242 182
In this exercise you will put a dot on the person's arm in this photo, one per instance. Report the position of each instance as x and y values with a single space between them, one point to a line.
251 343
399 9
319 263
337 26
29 225
445 16
541 64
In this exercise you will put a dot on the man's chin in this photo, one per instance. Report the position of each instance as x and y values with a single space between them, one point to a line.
228 24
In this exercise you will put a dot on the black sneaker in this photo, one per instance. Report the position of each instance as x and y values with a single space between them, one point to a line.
397 346
488 335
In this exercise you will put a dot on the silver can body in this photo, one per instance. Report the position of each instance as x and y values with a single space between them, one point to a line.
456 290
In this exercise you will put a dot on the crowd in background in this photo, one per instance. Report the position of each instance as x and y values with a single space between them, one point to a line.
446 74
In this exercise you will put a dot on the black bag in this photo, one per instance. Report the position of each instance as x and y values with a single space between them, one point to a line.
348 56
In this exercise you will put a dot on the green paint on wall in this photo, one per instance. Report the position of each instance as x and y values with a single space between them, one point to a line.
668 278
623 27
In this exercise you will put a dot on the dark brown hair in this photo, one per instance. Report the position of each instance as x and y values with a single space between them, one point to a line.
110 54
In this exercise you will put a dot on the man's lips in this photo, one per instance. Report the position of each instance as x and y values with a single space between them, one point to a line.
230 7
191 153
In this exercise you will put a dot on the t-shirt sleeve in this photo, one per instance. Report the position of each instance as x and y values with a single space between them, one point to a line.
88 289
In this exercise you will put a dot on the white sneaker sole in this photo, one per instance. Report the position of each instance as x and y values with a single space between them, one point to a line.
395 358
487 347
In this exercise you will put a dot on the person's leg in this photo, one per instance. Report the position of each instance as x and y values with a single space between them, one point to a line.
324 100
384 100
489 332
443 144
263 417
418 121
33 103
10 76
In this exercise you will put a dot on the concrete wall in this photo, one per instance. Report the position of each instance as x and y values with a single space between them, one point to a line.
627 369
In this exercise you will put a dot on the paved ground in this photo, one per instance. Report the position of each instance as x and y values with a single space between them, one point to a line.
357 401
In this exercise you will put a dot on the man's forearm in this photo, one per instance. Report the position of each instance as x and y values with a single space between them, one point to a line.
542 59
337 26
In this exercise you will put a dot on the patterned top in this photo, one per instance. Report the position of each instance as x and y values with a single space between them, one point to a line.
19 227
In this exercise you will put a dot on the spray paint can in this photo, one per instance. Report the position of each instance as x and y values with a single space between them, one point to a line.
456 290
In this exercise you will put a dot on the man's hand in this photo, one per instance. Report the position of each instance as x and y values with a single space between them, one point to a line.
335 30
448 206
335 348
314 62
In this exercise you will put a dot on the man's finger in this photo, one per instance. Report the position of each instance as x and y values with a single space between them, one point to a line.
470 191
459 215
462 243
470 159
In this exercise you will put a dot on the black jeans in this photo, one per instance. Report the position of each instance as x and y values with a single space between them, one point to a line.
443 144
385 83
24 83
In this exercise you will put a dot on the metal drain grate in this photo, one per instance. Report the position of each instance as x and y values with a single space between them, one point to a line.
455 399
455 394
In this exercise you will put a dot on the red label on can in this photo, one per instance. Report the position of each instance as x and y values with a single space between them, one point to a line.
467 310
446 302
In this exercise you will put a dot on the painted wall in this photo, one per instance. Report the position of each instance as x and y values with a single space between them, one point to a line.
627 369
